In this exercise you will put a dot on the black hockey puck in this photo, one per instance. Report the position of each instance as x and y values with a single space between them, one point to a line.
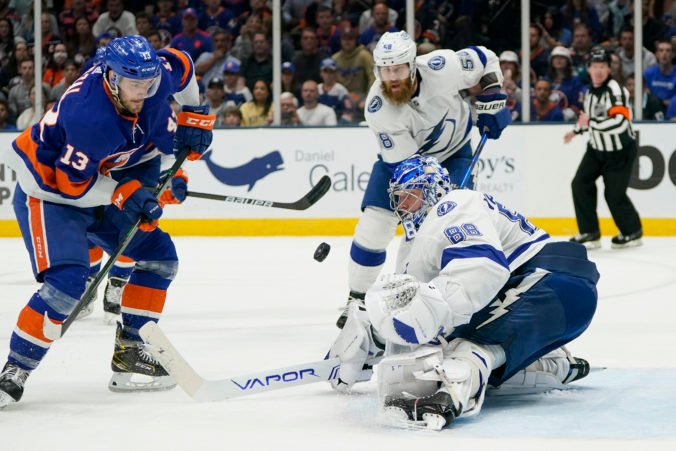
322 251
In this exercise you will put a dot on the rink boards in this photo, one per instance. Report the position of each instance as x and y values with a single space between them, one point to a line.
528 169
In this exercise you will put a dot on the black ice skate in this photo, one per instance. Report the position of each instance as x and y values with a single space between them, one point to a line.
12 380
354 296
620 241
88 308
134 369
588 240
112 298
432 412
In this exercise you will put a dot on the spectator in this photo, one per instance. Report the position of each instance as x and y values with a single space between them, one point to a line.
215 15
259 65
579 51
192 39
69 16
567 85
255 113
53 73
544 109
661 78
83 45
232 117
31 115
333 94
288 104
308 58
234 93
294 10
243 47
328 34
355 64
619 15
6 41
143 24
289 81
216 99
4 115
539 57
381 24
49 24
653 30
671 110
312 112
626 52
155 39
165 18
115 17
71 72
616 67
652 107
509 64
210 64
554 32
9 73
577 11
366 18
19 95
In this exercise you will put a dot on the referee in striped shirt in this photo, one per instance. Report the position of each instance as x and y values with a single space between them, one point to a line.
611 152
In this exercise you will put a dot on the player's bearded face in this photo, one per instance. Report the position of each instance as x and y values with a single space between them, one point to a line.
132 93
396 83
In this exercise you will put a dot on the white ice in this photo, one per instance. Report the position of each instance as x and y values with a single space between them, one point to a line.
240 305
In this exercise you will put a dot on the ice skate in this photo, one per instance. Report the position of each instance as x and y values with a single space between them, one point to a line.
88 308
554 371
620 241
354 296
134 369
432 412
588 240
111 299
12 380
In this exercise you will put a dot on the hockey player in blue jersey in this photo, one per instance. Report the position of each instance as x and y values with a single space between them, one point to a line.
419 106
82 175
482 297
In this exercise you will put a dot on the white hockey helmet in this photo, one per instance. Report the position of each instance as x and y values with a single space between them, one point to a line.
393 49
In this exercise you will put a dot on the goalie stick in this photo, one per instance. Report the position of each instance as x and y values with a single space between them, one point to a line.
305 202
204 390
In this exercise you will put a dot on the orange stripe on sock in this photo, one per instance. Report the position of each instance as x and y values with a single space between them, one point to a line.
31 322
143 298
123 259
38 236
95 255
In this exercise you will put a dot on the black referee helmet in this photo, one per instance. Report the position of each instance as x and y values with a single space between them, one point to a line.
599 55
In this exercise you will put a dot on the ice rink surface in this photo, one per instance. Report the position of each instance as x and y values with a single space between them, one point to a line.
240 305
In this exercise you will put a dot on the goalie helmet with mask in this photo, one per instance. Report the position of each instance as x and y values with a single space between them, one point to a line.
416 186
132 71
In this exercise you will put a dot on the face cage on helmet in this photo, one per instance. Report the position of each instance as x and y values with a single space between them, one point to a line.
433 186
116 79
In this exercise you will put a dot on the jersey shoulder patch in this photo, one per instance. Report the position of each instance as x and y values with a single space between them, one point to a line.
375 104
445 207
436 62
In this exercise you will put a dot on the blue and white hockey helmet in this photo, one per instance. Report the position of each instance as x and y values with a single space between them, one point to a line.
393 49
132 57
416 186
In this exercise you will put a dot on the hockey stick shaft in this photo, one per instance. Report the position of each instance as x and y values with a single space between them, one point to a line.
475 158
305 202
122 245
203 390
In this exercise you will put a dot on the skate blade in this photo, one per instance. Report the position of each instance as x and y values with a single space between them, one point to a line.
591 245
634 243
5 400
85 312
134 382
110 319
396 417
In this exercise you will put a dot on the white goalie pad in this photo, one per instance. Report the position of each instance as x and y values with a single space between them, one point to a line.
411 373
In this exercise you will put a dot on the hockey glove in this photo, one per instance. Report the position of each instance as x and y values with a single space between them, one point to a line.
194 130
176 191
493 114
354 345
134 201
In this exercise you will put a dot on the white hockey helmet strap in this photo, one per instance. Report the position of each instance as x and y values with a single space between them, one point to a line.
393 49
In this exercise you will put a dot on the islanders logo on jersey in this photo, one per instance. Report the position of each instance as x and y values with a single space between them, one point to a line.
375 104
437 62
445 207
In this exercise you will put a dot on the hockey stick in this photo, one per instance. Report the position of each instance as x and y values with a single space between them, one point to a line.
55 331
305 202
203 390
475 158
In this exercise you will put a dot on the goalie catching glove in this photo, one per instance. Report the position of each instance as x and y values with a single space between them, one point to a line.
406 311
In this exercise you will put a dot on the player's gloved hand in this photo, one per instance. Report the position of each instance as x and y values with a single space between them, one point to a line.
354 345
493 114
135 201
194 130
407 312
176 191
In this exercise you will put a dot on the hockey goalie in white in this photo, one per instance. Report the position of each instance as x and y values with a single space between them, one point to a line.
419 106
482 297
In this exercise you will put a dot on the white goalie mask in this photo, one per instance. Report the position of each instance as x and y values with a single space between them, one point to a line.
394 49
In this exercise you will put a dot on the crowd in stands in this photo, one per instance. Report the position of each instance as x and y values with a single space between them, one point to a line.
326 51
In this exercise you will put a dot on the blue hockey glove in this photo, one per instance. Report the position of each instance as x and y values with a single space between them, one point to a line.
177 190
493 115
194 130
135 201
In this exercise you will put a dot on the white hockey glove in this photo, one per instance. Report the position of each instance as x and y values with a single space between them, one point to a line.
406 311
354 345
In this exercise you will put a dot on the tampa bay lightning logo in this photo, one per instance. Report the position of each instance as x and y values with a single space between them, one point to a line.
437 62
445 207
248 173
375 104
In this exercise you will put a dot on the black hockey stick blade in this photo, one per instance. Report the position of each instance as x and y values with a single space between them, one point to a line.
309 199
